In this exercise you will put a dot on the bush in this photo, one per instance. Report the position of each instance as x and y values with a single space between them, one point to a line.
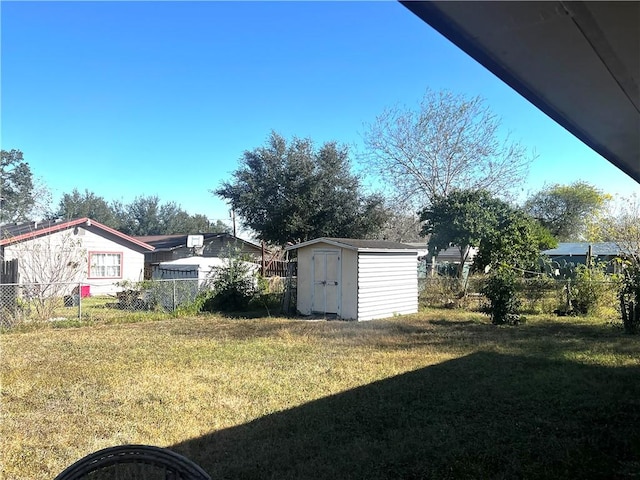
592 289
630 298
234 285
501 290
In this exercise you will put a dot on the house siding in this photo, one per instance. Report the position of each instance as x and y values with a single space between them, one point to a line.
89 241
387 285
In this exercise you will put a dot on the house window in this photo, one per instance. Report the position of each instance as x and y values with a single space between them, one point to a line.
105 265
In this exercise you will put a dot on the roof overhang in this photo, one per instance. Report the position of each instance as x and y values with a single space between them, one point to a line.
363 246
578 62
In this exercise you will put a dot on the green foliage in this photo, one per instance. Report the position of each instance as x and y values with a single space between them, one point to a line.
463 218
145 215
88 204
16 187
592 288
630 297
501 290
516 240
474 218
290 192
566 209
234 285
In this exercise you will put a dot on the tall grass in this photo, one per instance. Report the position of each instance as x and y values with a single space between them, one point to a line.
440 394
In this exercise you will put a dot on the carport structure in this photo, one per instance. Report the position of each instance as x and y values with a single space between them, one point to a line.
578 62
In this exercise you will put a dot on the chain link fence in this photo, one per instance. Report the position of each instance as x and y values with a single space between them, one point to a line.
538 295
22 303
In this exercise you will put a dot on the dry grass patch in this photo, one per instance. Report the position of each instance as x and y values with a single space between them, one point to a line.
241 396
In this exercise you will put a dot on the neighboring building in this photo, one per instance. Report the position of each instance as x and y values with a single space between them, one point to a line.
356 279
445 263
170 248
98 255
578 253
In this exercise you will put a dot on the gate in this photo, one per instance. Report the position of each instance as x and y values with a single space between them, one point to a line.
8 290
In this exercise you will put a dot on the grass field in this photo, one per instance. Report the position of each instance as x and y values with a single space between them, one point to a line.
440 394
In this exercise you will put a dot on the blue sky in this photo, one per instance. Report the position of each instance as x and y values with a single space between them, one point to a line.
161 98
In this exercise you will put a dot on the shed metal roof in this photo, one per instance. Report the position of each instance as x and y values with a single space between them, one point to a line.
359 245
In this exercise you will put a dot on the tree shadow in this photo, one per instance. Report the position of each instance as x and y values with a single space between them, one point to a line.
486 415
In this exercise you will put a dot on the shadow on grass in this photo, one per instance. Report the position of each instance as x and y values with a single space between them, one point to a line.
485 415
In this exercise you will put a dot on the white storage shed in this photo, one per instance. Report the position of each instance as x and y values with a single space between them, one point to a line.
356 279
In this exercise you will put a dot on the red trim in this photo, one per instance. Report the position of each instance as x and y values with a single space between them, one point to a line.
72 223
99 252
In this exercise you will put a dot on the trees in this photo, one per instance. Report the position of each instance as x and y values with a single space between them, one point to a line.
475 218
290 192
145 215
16 187
516 240
566 209
88 204
624 229
449 142
462 219
49 266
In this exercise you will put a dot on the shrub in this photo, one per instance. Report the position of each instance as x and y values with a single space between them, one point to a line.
501 290
234 285
592 289
630 298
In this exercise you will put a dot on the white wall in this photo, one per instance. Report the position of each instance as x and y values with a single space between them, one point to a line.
388 284
374 285
83 241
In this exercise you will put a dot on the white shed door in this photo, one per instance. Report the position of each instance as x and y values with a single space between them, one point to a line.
326 278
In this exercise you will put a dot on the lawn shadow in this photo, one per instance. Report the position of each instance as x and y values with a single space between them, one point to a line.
486 415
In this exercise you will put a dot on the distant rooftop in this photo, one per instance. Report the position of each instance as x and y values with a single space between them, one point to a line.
581 248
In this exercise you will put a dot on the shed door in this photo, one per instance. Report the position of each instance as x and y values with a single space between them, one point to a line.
326 275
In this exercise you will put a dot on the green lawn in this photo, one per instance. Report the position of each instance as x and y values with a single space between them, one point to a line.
440 394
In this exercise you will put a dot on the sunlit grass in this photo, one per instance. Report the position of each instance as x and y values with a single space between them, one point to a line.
69 391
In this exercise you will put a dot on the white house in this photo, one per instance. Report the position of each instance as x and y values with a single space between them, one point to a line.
80 251
356 279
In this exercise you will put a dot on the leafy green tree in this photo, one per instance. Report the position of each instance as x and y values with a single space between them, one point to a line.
447 142
289 192
476 219
567 209
516 240
16 187
87 204
145 215
462 218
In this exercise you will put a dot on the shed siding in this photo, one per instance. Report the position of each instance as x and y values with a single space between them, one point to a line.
388 284
349 310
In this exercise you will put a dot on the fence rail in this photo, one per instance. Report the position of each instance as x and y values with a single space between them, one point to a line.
537 295
55 302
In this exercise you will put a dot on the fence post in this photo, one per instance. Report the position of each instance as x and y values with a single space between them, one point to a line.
174 295
80 301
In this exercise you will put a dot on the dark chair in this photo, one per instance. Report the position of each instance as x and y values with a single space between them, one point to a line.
129 462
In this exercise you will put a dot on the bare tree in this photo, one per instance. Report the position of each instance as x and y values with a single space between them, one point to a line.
50 267
449 142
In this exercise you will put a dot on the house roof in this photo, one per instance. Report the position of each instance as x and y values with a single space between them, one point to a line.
580 248
172 242
14 233
578 62
359 245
